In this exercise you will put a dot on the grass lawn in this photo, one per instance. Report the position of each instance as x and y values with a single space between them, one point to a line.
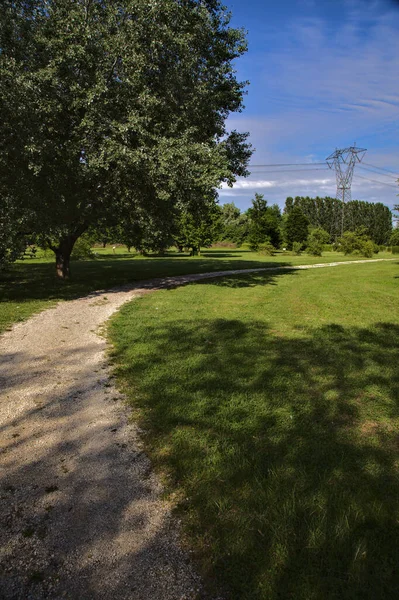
271 404
30 285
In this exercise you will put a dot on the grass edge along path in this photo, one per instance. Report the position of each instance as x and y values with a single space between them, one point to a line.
22 309
270 402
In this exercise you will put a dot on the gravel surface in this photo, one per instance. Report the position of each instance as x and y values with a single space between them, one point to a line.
80 509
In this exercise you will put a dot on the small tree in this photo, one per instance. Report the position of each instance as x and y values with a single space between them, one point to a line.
316 240
264 223
196 229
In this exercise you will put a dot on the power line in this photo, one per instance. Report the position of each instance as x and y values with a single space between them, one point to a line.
290 171
289 165
377 173
381 168
375 181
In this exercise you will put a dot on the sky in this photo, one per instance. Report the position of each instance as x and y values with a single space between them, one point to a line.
323 75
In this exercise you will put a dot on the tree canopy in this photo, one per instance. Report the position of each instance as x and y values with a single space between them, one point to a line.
115 108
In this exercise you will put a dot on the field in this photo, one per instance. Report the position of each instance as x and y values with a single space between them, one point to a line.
30 285
270 404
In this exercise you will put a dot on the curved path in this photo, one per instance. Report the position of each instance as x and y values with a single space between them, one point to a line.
80 510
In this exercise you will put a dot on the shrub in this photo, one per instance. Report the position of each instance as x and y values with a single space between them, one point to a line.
82 249
316 240
395 249
296 248
267 249
356 243
368 248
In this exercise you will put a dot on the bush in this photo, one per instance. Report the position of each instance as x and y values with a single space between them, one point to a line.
316 240
82 249
395 249
296 248
267 249
368 248
357 243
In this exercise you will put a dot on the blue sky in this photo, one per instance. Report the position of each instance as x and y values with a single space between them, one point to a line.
323 75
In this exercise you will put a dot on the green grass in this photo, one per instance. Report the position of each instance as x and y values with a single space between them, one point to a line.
271 405
30 286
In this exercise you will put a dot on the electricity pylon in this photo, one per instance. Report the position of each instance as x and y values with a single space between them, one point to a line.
343 161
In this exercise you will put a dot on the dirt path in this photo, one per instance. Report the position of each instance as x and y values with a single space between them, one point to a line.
80 509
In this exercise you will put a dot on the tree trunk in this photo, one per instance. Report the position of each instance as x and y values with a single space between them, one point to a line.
63 255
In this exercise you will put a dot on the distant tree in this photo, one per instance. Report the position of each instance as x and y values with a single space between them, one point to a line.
234 224
296 227
265 223
198 229
289 204
394 239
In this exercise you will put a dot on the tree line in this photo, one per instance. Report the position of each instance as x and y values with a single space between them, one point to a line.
317 221
335 217
262 223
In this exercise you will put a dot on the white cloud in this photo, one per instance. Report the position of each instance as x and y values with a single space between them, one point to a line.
245 184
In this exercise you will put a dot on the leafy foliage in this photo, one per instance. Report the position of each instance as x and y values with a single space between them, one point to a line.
296 227
198 229
316 240
13 241
264 223
267 249
296 248
394 239
234 224
113 109
356 242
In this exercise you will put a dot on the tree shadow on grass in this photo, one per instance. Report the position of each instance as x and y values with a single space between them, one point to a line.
286 449
27 282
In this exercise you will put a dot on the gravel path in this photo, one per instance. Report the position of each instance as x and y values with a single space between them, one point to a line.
80 509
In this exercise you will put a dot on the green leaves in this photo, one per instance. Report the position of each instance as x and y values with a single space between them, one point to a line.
117 106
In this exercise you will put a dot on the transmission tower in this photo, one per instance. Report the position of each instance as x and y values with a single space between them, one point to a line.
343 161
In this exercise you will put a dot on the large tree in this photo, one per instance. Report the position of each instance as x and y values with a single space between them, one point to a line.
114 108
